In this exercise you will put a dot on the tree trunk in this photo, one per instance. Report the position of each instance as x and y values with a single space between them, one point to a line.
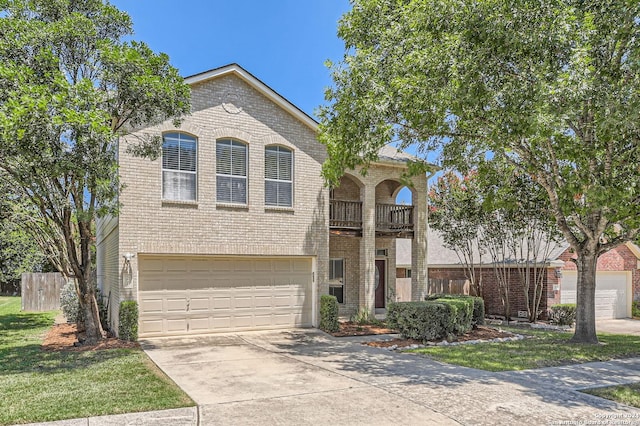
585 304
92 325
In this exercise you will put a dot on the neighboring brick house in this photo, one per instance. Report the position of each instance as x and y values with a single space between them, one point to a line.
233 228
618 280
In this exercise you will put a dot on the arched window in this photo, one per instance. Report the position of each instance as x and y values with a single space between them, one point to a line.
278 176
179 167
231 172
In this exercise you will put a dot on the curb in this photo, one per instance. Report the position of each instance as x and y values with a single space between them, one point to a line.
177 416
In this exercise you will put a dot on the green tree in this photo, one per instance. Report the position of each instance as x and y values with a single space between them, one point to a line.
456 212
19 252
69 86
551 86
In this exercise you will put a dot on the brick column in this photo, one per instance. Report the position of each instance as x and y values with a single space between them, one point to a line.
368 249
419 242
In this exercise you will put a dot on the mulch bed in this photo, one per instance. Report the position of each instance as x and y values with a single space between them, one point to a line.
349 328
64 337
480 333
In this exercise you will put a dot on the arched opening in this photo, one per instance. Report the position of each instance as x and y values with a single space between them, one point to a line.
394 209
345 207
404 196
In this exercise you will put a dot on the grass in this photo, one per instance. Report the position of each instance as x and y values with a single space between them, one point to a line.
541 348
624 394
40 386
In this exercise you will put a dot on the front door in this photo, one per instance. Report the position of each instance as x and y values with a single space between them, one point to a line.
380 279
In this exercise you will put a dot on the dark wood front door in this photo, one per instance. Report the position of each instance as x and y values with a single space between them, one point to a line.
380 279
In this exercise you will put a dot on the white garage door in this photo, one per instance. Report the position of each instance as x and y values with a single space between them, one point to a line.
612 293
180 295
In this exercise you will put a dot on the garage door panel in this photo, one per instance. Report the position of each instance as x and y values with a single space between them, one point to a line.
220 323
199 304
176 265
148 326
199 324
264 320
221 302
242 321
611 293
177 325
151 306
262 265
198 295
176 304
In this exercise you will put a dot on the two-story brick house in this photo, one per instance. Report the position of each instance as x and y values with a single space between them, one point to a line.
233 228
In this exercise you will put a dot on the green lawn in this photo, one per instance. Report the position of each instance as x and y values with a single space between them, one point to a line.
624 394
42 386
540 349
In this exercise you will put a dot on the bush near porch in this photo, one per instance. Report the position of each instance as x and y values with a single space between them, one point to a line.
432 319
478 305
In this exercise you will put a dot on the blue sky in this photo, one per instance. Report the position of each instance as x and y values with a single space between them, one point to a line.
284 43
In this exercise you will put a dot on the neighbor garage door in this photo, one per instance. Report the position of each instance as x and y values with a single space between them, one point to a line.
190 295
612 293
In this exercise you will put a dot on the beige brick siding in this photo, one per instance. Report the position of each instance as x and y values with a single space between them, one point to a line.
149 225
108 266
348 248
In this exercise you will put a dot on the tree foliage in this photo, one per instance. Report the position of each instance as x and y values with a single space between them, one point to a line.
69 86
456 212
19 252
553 87
498 216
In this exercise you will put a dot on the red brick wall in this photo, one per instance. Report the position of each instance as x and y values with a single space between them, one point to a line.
491 293
620 258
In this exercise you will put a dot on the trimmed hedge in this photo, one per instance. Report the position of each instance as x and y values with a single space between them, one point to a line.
432 319
563 314
128 324
478 305
329 313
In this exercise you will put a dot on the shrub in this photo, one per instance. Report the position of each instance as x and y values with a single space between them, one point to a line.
478 305
329 313
461 313
128 325
635 309
563 314
431 320
364 317
70 304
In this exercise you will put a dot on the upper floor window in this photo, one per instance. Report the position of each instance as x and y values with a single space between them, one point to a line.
231 172
179 163
278 175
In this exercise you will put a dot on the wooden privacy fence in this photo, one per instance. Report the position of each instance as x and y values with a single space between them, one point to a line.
41 291
439 285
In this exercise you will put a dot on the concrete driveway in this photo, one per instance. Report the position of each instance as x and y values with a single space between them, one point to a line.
619 326
306 377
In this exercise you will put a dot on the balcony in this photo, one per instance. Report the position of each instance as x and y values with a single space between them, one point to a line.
345 218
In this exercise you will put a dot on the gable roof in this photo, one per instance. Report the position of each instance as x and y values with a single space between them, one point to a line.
256 83
387 154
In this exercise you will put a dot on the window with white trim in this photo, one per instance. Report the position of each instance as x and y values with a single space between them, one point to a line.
278 176
179 167
231 172
336 279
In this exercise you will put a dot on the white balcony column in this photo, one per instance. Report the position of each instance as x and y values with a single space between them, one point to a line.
367 289
419 242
